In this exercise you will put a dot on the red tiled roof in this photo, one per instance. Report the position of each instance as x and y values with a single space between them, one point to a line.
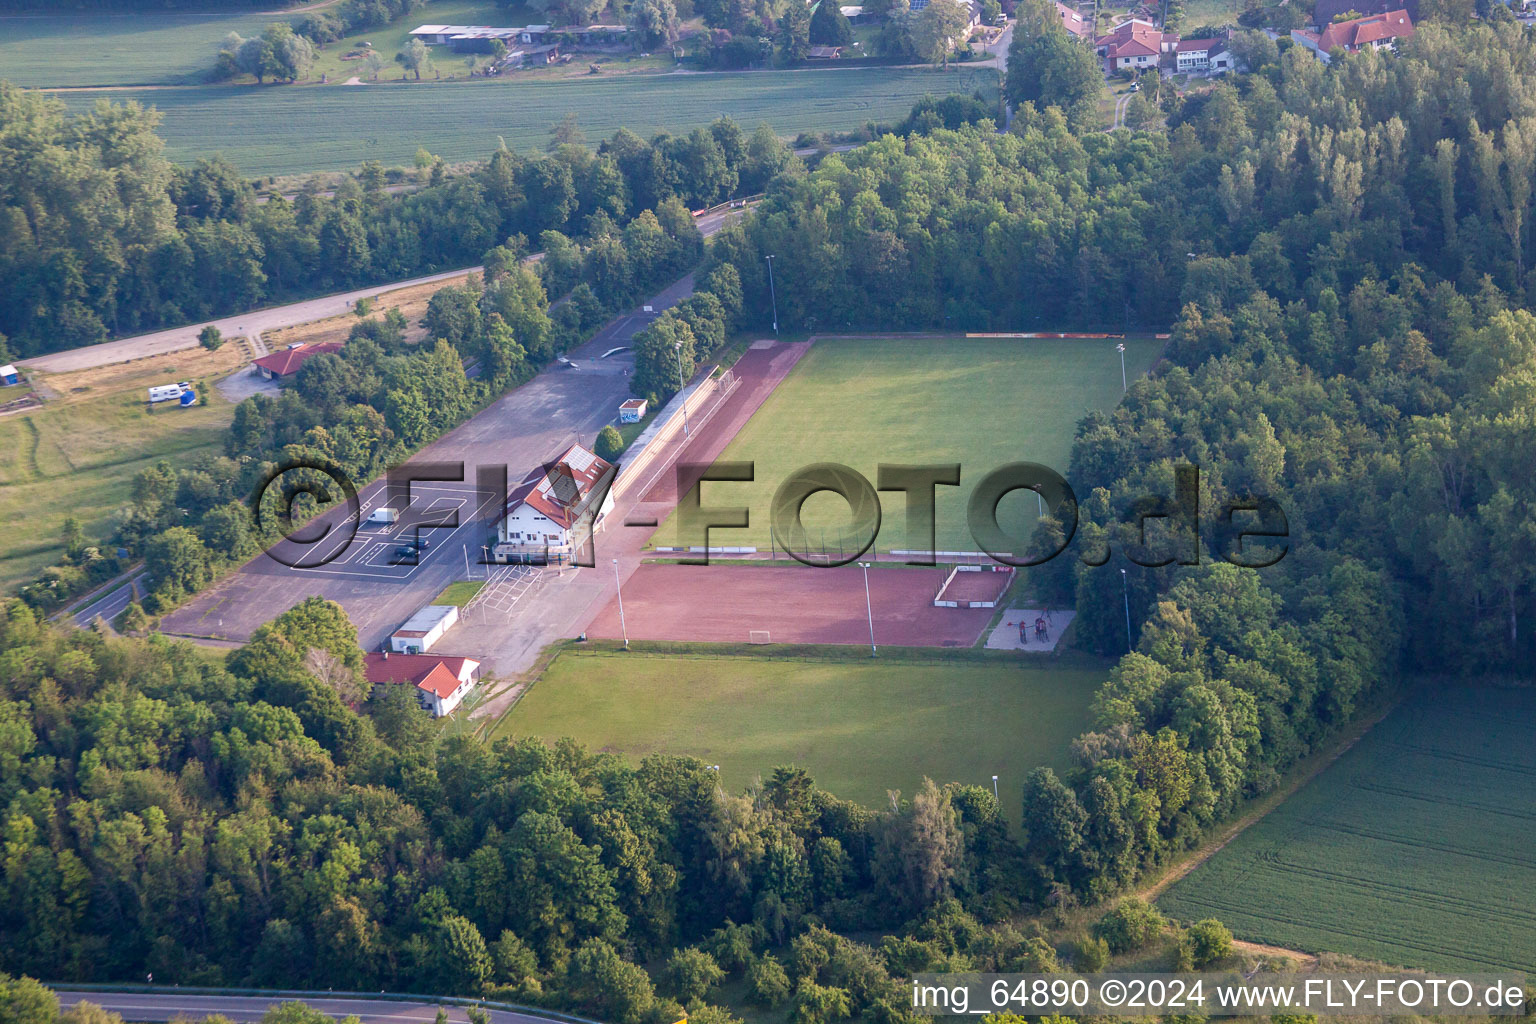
1351 35
290 359
428 672
560 493
1131 39
1195 45
1073 22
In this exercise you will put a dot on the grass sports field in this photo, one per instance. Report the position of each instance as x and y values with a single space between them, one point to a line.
77 455
295 129
1414 848
861 727
985 403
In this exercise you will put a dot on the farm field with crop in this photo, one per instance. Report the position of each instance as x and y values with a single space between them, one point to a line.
295 129
860 727
1414 848
116 49
986 402
78 454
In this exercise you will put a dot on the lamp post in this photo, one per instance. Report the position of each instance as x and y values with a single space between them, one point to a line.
869 609
1123 385
682 382
994 790
1125 588
623 627
775 296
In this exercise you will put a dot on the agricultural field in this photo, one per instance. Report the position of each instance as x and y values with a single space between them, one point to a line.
986 402
1414 848
861 727
78 454
296 129
116 49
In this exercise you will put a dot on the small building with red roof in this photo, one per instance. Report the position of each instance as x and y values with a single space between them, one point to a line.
555 509
441 683
286 362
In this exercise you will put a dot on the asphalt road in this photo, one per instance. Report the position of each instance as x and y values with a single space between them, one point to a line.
112 605
256 321
239 325
162 1006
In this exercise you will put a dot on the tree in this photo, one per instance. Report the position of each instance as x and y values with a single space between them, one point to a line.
415 58
937 27
691 973
177 558
767 982
373 63
794 33
210 337
654 22
830 27
610 443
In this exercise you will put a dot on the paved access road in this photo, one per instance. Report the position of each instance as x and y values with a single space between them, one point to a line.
239 325
270 319
163 1006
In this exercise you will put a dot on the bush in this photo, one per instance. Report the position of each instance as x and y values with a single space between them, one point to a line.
610 443
1210 941
1131 925
1090 955
210 337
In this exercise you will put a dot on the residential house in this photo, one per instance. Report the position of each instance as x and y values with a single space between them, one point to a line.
441 683
1202 57
1134 45
1327 11
286 362
551 513
1375 32
1073 21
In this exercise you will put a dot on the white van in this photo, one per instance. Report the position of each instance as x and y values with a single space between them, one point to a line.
383 515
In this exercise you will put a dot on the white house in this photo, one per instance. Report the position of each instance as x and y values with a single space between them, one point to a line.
424 629
551 513
441 683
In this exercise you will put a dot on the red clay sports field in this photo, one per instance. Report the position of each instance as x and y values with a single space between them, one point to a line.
791 605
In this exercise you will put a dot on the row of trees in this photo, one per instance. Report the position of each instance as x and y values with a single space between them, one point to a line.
103 236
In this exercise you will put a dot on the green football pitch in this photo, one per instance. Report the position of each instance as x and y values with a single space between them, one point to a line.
979 402
861 727
1414 848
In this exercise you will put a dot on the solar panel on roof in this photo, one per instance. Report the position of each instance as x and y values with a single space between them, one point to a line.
579 459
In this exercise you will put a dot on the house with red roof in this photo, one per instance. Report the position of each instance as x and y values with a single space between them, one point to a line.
286 362
441 683
1073 21
1135 45
1373 32
555 509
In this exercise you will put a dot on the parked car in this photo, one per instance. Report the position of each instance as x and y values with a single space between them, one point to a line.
406 551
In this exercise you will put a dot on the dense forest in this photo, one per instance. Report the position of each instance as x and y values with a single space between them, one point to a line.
100 235
1340 252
